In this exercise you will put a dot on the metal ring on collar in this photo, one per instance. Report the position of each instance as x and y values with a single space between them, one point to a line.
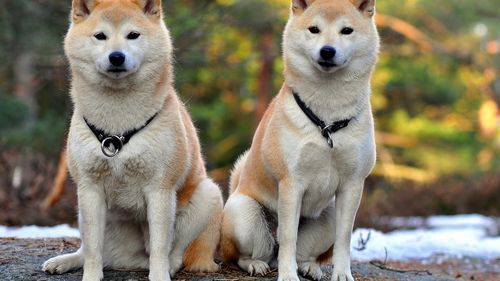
117 143
327 128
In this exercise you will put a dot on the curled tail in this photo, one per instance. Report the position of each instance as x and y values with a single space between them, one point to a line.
236 172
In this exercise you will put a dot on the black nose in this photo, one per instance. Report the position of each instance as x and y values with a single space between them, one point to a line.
116 58
327 52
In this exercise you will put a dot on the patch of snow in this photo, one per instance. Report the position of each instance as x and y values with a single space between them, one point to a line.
463 221
452 236
33 231
456 221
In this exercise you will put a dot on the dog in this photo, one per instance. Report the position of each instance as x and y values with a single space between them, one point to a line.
144 198
299 185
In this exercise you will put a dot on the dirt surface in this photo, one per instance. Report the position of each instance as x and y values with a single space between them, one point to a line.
21 259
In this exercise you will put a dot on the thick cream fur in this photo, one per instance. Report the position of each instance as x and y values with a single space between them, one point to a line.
311 189
152 206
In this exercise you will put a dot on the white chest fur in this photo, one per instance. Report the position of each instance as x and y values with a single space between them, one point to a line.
123 182
318 170
319 178
126 177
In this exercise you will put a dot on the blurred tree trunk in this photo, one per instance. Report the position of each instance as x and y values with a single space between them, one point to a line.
26 83
265 75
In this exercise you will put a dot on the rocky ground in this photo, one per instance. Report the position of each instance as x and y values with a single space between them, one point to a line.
21 259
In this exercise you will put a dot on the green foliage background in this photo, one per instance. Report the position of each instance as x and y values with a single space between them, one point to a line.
426 101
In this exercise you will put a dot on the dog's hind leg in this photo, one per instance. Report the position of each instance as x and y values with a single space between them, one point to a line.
197 230
247 228
199 256
64 263
315 242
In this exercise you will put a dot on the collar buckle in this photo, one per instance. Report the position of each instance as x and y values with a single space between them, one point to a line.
327 133
329 139
112 145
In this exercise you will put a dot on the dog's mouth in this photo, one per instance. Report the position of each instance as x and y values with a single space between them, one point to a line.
117 70
327 64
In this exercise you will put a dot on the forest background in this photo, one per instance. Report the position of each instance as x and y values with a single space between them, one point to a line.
436 97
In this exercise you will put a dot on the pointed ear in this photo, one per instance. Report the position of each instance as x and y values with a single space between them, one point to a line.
367 7
151 7
81 9
299 6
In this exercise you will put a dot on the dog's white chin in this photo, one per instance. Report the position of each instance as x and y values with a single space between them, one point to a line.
116 81
327 69
116 75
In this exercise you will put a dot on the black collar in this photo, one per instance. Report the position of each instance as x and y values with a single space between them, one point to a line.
326 130
112 144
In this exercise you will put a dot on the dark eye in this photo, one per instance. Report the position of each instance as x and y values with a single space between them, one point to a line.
314 30
346 30
100 36
133 35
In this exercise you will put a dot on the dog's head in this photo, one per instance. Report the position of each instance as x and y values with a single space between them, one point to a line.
323 37
117 43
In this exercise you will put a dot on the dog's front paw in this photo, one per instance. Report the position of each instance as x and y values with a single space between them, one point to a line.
159 272
288 276
159 269
90 275
92 271
158 276
55 265
342 275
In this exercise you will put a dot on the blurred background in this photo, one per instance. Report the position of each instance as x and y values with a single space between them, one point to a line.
436 96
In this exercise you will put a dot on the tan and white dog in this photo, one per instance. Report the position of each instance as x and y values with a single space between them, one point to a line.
299 183
144 198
